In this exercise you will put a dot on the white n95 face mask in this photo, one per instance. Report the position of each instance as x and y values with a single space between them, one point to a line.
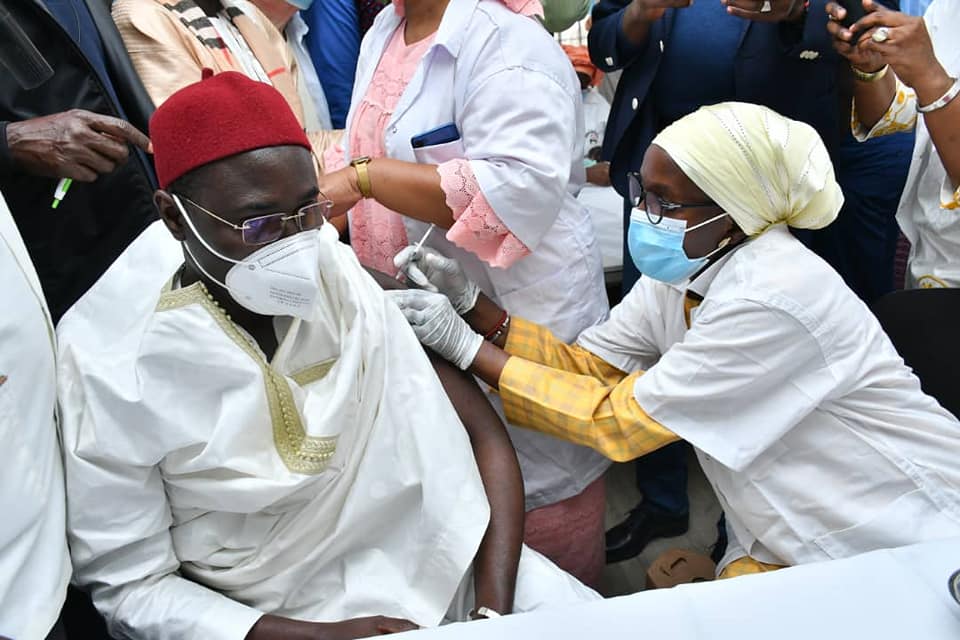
279 279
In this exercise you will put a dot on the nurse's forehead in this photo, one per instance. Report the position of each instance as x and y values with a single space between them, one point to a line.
660 174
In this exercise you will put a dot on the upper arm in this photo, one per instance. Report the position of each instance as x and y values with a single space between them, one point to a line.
521 149
480 420
156 43
742 377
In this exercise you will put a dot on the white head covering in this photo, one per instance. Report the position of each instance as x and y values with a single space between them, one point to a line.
762 168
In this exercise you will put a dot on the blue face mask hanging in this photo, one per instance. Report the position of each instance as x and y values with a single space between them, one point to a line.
657 249
302 5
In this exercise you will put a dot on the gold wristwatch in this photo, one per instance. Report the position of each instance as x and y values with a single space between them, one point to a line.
363 176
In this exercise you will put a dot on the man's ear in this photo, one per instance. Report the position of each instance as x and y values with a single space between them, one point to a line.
170 214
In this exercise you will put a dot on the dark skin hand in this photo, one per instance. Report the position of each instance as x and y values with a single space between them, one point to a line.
911 57
661 176
270 627
599 174
640 14
282 179
73 144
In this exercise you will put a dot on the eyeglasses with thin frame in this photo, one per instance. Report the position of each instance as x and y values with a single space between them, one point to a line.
654 205
267 228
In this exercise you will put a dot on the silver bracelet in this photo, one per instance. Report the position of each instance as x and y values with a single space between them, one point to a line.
944 100
485 612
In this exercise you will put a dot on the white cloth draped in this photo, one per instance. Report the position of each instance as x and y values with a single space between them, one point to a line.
333 482
34 563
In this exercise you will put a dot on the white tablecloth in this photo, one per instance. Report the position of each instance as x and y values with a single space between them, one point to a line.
897 594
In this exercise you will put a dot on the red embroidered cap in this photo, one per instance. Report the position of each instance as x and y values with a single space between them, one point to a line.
220 116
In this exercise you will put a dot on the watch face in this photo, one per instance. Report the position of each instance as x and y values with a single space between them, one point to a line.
954 585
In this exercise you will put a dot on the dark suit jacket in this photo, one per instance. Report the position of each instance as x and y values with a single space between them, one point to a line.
789 68
73 245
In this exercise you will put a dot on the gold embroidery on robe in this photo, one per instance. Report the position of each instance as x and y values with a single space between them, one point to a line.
300 453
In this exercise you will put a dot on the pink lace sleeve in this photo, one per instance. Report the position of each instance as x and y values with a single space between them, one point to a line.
477 228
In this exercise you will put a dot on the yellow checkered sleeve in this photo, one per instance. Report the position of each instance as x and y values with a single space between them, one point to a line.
535 343
582 399
747 566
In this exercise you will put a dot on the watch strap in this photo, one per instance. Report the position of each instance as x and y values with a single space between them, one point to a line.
363 176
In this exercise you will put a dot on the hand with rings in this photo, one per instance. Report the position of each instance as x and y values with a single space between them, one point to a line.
766 10
888 38
881 34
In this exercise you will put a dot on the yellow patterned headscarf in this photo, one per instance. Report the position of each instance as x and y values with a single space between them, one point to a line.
760 167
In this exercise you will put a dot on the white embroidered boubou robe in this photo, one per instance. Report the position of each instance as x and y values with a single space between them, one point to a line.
333 482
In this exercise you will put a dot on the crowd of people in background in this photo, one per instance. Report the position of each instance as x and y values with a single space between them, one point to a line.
326 319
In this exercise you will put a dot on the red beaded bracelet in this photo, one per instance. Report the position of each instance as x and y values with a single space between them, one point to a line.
498 327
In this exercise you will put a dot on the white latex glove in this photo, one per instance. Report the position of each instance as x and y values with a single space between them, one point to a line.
438 325
433 271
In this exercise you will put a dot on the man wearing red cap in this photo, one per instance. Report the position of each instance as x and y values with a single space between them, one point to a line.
259 448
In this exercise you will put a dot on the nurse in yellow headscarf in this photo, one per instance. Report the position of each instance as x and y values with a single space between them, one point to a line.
817 440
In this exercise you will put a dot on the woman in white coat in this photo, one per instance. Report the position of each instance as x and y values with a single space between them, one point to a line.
817 439
466 117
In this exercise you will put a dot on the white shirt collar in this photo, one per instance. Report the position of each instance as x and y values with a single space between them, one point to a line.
297 28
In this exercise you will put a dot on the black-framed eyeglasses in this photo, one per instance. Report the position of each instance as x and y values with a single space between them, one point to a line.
654 205
267 228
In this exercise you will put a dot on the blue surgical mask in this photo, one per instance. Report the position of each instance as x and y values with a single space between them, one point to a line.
303 5
657 249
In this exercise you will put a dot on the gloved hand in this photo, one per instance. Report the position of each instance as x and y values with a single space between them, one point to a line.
433 271
438 325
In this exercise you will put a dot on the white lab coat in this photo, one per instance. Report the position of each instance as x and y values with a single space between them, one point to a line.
596 111
604 203
514 97
34 563
815 436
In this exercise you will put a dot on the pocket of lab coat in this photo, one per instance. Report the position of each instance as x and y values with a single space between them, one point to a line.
440 153
911 518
